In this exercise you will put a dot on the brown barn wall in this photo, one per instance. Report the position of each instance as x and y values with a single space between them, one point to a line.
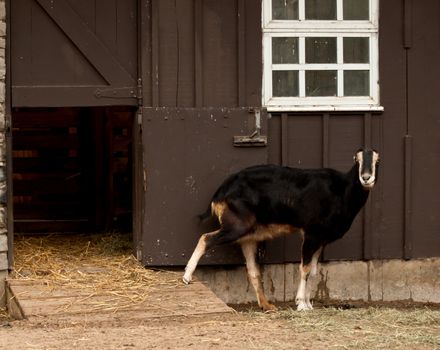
200 54
201 66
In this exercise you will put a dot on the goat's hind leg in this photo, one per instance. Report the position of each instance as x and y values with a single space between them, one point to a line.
196 255
249 249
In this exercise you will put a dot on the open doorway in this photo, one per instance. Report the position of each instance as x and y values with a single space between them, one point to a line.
72 169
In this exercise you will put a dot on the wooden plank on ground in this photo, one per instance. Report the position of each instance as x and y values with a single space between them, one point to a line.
35 299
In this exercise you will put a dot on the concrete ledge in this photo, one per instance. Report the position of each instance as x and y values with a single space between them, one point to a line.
3 243
379 280
3 261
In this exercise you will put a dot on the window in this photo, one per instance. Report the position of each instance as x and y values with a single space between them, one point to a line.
320 55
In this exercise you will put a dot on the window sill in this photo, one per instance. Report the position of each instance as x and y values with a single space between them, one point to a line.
325 108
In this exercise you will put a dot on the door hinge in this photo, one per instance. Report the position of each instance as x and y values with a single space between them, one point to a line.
117 93
139 118
122 92
139 92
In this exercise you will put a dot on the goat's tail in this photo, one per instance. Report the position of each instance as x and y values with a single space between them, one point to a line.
206 214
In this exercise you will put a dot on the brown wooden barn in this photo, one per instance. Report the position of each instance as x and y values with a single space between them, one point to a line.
126 115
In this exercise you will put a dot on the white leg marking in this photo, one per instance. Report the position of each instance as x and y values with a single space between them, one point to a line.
301 293
195 257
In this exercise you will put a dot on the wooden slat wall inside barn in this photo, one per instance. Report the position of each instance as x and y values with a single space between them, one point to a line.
48 170
72 169
118 148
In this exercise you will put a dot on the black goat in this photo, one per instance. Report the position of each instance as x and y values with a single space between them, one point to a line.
267 201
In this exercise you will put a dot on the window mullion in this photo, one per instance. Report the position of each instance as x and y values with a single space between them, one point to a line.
302 62
340 60
301 10
339 10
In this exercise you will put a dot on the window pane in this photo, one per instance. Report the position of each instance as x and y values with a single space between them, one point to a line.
356 50
321 83
285 9
284 50
284 83
320 50
320 9
356 83
356 10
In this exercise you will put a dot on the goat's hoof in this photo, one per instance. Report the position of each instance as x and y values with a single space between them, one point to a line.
269 307
186 280
303 305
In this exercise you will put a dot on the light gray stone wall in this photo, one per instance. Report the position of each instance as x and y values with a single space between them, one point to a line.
3 230
378 280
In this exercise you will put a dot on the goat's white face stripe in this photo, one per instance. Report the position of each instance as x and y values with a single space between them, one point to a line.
367 172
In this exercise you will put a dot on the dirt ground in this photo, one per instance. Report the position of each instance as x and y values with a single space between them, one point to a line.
341 326
331 326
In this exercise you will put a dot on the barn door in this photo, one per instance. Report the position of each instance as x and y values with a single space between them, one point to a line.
187 154
74 89
201 73
73 53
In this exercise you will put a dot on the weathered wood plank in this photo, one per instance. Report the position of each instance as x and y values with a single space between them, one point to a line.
34 299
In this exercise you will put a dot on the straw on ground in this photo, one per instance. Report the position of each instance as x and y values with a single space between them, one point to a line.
95 264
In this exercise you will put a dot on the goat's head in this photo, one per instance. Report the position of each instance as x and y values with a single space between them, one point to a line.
368 162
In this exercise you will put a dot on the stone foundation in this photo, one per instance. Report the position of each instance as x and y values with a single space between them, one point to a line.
380 280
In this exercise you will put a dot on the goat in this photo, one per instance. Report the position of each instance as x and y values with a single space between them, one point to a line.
266 201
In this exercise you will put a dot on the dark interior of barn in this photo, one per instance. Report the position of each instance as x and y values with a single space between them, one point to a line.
72 169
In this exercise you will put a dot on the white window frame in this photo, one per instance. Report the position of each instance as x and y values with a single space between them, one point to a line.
301 29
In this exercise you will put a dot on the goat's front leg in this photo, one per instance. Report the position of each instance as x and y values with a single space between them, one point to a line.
196 255
309 265
249 251
302 296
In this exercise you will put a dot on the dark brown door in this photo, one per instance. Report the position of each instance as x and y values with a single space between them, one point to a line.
70 60
73 53
187 154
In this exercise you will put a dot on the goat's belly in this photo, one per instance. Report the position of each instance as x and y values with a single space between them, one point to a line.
271 231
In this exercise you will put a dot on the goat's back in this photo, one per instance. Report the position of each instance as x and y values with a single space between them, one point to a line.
276 194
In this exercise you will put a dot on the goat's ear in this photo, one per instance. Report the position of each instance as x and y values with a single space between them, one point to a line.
378 155
354 159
